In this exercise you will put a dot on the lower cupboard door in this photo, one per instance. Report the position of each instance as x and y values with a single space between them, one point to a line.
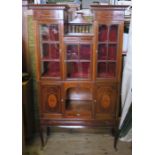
106 101
50 99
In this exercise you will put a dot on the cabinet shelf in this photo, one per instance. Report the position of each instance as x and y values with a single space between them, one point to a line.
78 108
77 60
106 61
50 42
49 60
107 42
51 75
78 34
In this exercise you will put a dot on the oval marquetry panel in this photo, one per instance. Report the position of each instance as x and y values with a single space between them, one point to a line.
52 100
105 101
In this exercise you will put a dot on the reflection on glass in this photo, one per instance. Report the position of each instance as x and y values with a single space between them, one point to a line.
54 52
113 33
72 52
85 52
54 33
78 69
44 32
103 33
50 69
102 52
112 52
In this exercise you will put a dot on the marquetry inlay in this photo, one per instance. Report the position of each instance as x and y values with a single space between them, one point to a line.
105 103
52 100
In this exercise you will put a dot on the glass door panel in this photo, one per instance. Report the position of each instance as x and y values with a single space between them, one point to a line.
78 69
111 69
84 70
53 32
72 69
112 51
113 33
72 52
50 56
107 50
102 52
44 32
54 51
45 54
50 69
103 33
85 51
102 69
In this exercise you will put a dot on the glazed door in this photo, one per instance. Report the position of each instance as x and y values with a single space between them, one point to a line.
78 61
49 55
108 51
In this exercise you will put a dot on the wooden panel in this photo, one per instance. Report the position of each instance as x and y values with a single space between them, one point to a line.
48 14
76 39
83 39
108 15
50 99
108 12
106 100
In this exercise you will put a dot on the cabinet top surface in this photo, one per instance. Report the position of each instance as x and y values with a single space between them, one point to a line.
109 7
48 6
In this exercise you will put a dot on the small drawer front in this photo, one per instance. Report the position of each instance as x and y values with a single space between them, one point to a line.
48 14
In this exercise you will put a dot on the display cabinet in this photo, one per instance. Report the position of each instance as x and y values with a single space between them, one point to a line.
78 65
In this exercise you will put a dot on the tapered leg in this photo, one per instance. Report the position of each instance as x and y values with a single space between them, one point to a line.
42 136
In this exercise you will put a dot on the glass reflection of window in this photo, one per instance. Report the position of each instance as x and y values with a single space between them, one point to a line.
44 32
53 31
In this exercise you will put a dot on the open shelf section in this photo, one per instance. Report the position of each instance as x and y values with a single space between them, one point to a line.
78 102
78 108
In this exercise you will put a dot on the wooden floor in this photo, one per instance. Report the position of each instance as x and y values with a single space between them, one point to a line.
77 142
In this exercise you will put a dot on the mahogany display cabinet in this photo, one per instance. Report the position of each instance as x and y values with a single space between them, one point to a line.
78 65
